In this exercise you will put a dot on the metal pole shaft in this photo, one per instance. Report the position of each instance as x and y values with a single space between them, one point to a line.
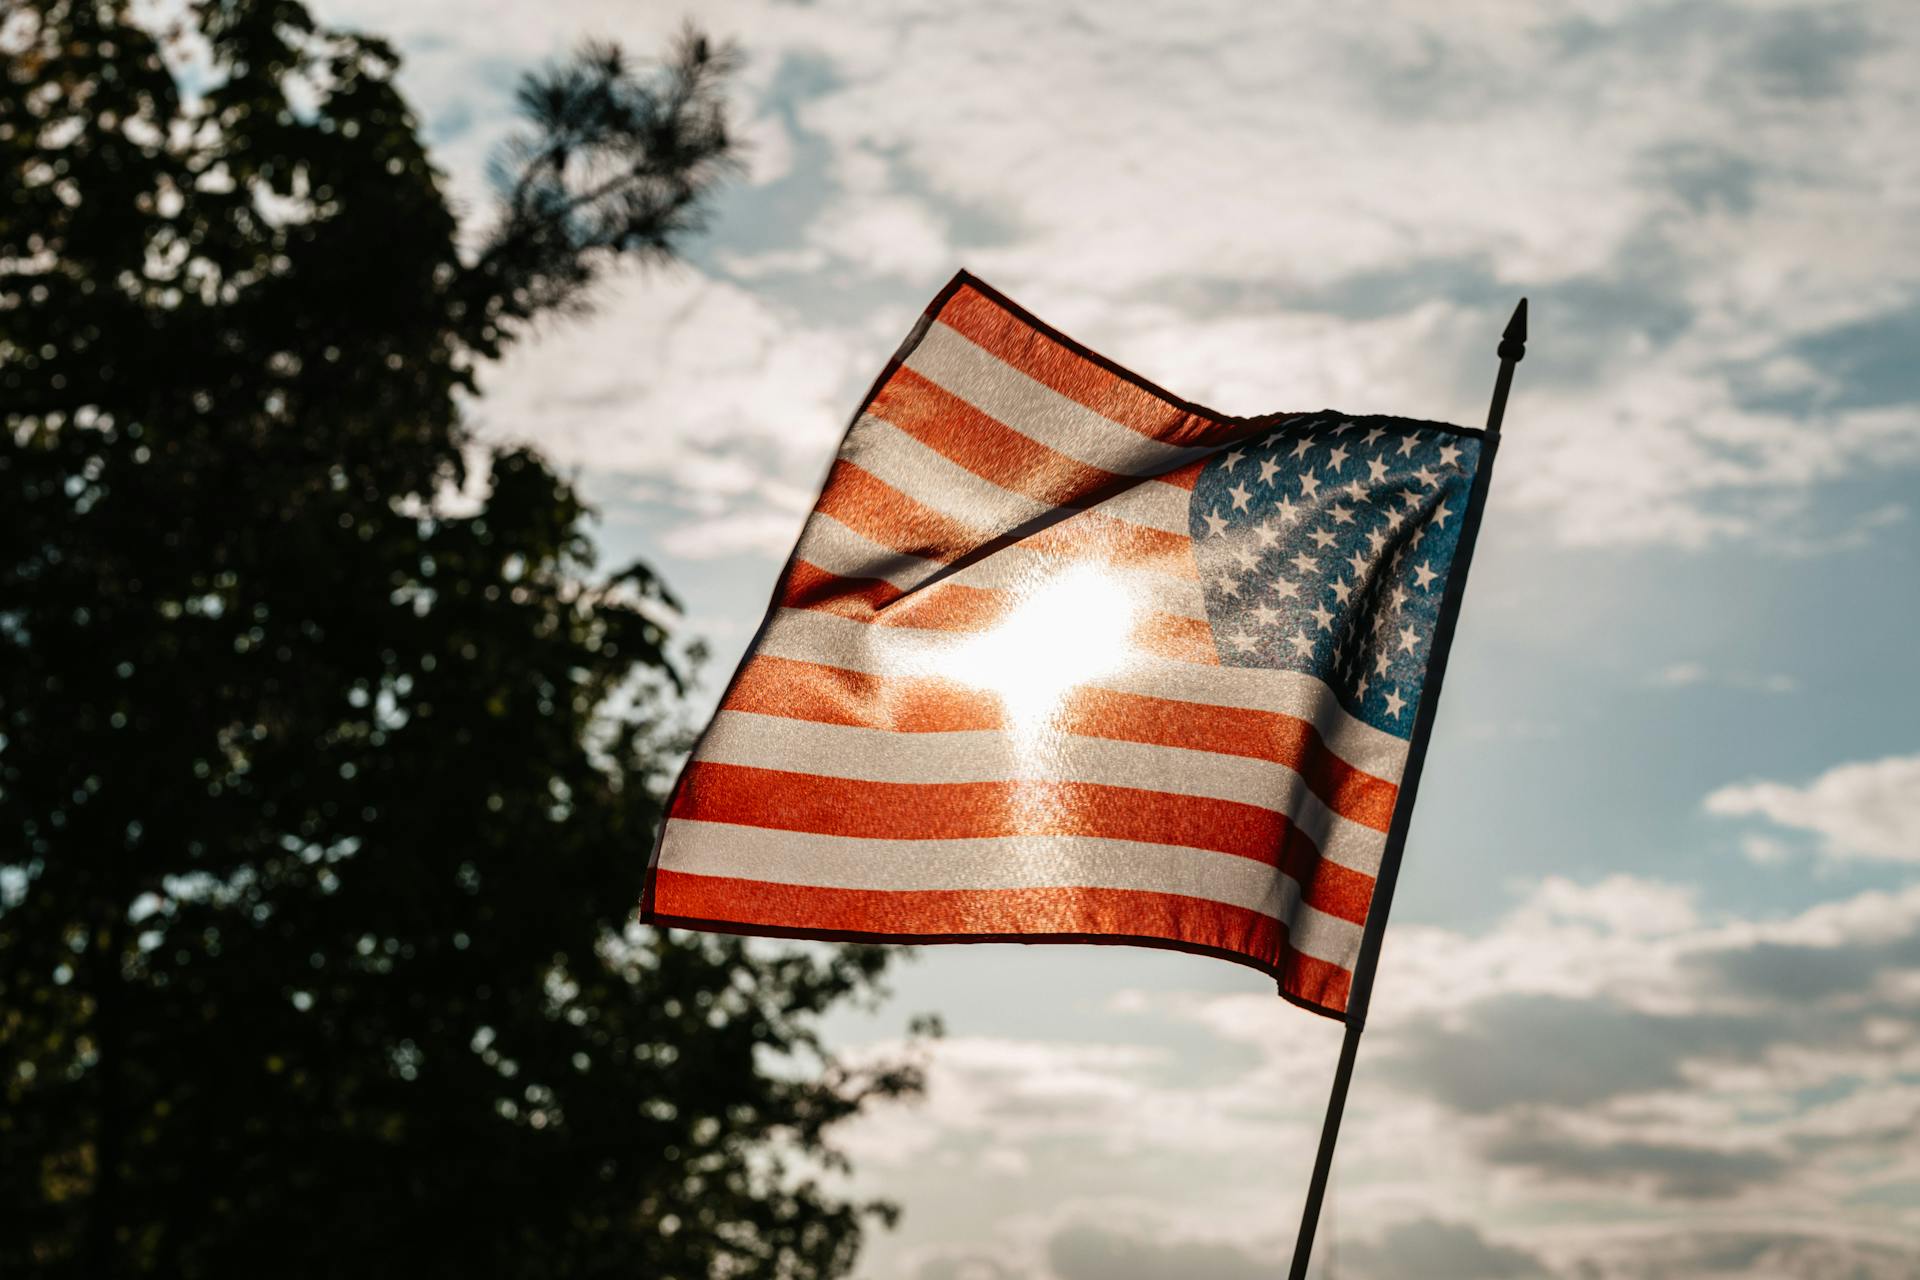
1323 1161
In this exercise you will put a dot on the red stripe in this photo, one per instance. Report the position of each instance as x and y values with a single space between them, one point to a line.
1013 915
1185 477
983 322
1168 635
919 704
830 695
866 810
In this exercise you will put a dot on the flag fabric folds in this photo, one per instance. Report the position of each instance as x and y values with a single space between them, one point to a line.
1061 657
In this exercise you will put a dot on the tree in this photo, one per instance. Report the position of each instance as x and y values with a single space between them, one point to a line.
324 800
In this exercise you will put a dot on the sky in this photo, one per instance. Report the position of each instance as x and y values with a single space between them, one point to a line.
1650 1004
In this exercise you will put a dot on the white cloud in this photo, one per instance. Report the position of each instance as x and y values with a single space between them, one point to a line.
888 235
704 397
1869 810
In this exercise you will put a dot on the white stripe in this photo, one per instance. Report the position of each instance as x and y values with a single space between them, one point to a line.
950 359
806 635
989 755
830 545
1006 862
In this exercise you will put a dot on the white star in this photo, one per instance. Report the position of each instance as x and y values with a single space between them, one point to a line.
1395 703
1303 644
1341 589
1266 534
1309 486
1376 470
1266 614
1267 469
1301 446
1381 661
1374 434
1233 459
1323 538
1408 444
1407 638
1241 640
1287 513
1323 616
1228 587
1342 513
1423 576
1285 590
1355 490
1216 523
1440 514
1409 499
1246 557
1305 563
1418 534
1427 477
1449 455
1239 495
1376 539
1337 458
1360 690
1398 596
1359 563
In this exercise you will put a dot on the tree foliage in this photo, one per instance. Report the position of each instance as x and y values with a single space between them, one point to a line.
324 800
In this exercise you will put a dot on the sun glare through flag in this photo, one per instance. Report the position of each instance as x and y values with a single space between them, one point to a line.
1062 658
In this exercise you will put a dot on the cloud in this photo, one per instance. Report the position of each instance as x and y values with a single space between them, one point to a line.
1425 1248
694 395
1750 1253
1668 1170
1864 811
1524 1050
1096 1253
1413 1250
970 1266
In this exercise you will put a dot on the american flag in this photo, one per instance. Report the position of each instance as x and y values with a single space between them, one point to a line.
1061 657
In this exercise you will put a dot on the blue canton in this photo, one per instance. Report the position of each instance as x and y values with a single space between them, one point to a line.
1324 547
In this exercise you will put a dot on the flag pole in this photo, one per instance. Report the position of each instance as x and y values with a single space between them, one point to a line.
1512 349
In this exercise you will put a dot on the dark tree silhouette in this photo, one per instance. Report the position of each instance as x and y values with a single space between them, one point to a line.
324 800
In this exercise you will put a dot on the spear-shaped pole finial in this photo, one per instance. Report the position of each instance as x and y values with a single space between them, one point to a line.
1513 349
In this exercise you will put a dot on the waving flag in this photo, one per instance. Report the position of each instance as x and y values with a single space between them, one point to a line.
1062 658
